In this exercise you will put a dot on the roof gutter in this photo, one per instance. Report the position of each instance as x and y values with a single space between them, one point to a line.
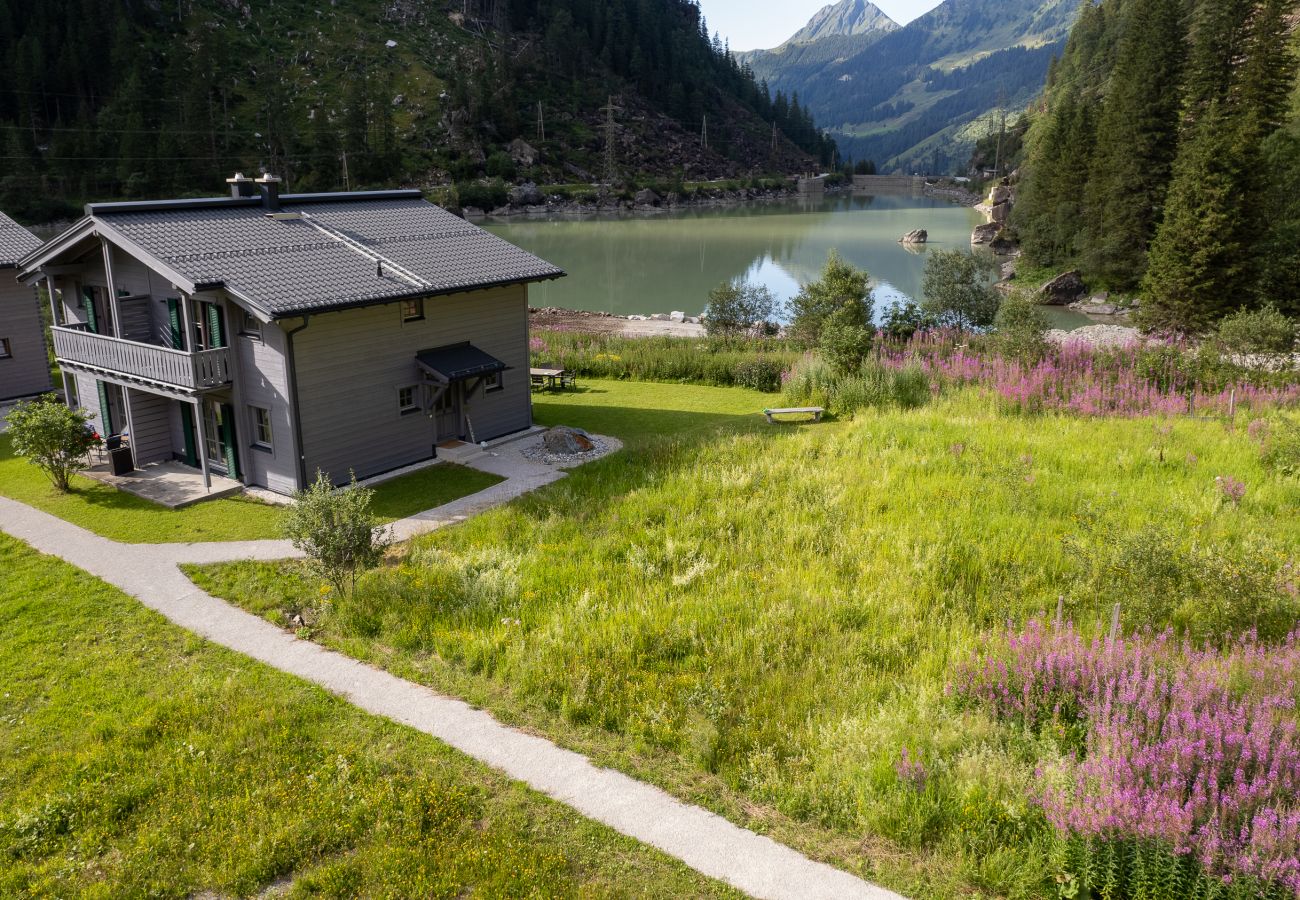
293 397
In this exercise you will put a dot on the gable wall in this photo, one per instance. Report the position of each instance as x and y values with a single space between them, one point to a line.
351 364
28 370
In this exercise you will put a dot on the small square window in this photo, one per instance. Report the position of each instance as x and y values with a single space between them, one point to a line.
412 310
407 400
261 417
6 351
493 383
250 327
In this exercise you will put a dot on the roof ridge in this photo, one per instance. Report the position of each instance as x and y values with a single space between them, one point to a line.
250 251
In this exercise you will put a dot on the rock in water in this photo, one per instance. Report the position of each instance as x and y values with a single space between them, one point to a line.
1063 289
919 236
567 441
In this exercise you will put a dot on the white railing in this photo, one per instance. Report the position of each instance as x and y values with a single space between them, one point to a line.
195 371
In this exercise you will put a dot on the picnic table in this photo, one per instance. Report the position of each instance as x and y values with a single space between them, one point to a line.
545 378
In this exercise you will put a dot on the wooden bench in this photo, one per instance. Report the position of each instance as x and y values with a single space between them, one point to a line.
814 411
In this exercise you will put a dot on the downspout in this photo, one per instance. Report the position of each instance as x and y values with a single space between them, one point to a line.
293 398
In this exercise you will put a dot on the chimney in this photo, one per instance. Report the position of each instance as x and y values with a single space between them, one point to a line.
241 186
270 187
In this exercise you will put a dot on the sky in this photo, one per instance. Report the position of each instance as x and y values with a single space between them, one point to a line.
760 24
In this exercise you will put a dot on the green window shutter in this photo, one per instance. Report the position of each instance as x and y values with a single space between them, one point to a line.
216 334
88 295
187 428
174 319
105 414
228 438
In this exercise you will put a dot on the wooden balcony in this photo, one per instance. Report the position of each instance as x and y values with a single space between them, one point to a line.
134 362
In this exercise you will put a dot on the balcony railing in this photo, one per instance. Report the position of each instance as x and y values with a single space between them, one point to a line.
144 362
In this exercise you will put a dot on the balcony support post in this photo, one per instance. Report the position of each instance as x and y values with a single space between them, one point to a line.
201 440
187 324
115 310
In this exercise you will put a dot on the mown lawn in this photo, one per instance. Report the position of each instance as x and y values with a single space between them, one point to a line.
125 517
762 618
137 760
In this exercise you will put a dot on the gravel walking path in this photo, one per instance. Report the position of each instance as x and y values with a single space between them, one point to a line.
703 840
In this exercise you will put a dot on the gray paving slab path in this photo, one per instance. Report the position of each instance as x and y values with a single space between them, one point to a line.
706 842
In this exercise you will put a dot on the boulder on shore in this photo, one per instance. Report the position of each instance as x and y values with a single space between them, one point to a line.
1063 290
1001 212
647 197
1000 194
986 233
919 236
522 153
567 441
527 194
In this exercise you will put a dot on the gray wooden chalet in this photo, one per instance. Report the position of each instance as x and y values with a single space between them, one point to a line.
24 356
266 337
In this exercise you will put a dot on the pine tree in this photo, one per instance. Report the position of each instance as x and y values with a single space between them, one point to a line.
1205 260
1137 140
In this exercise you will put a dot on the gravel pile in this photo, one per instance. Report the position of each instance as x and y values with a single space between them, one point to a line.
601 446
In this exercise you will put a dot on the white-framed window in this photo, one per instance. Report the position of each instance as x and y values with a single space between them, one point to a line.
260 421
408 399
413 310
250 327
494 382
6 349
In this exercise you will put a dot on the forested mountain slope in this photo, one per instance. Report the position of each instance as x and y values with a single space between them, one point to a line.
141 99
1165 155
918 98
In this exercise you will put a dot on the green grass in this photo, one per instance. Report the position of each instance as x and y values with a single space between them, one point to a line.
760 618
137 760
125 517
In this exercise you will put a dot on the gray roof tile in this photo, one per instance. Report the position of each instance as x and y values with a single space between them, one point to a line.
287 267
15 242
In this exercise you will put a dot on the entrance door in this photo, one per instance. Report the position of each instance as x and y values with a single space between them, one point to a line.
447 414
219 435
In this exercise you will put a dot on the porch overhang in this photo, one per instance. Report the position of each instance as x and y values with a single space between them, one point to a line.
458 362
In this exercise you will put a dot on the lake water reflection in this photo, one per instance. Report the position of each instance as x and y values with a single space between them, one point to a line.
670 261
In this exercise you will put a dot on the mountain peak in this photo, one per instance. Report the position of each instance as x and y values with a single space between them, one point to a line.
846 18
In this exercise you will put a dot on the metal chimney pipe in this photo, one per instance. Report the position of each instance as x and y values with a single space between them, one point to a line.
241 186
270 187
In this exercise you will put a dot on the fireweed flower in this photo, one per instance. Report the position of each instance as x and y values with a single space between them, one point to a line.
1193 748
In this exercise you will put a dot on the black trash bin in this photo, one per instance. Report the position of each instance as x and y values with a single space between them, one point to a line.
121 461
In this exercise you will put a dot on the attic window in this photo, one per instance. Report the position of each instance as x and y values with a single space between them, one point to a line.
251 328
412 310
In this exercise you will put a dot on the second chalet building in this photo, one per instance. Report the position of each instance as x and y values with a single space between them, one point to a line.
266 337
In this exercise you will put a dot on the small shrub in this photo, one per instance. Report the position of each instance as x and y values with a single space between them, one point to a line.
735 308
1020 327
841 287
483 195
762 374
1280 444
845 342
903 320
337 531
52 437
1264 330
500 165
957 291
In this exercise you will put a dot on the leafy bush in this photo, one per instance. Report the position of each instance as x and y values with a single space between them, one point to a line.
1264 330
841 287
957 291
483 195
500 165
845 342
337 531
762 374
53 437
1280 444
903 320
734 308
1020 327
